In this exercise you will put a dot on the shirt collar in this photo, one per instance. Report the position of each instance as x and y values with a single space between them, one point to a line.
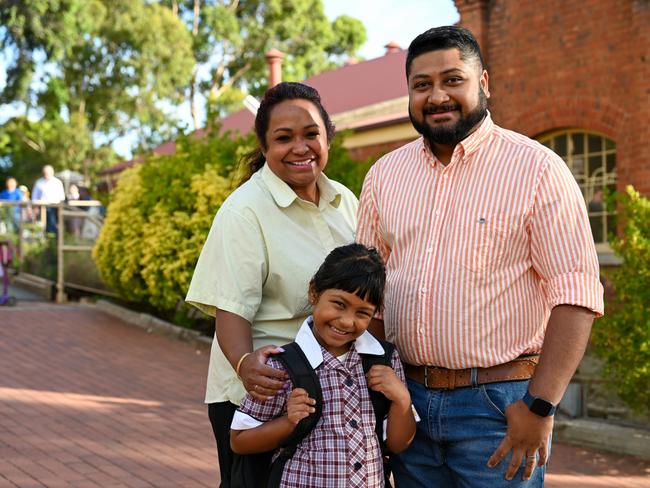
471 143
285 196
364 344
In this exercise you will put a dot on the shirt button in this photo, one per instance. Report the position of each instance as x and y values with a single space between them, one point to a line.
357 466
353 423
430 250
437 212
422 329
424 289
348 382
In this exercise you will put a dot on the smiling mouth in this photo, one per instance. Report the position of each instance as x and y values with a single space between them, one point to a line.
338 331
305 163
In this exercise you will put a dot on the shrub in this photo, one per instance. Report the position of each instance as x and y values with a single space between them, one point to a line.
622 337
159 216
345 170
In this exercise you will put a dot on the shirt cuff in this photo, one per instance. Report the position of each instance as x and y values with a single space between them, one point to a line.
579 289
242 421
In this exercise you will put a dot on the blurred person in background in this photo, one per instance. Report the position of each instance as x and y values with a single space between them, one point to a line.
49 189
13 193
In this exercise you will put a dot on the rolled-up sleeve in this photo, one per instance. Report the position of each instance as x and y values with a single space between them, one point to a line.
232 267
562 247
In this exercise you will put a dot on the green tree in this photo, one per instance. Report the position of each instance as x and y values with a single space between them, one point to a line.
92 70
231 37
622 336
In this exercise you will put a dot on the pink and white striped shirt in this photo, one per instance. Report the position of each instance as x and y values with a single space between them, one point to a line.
477 252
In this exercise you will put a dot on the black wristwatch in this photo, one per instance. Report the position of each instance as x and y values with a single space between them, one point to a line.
539 406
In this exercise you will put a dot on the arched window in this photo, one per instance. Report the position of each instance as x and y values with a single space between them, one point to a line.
591 158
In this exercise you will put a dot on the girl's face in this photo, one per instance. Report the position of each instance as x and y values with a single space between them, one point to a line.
296 145
339 318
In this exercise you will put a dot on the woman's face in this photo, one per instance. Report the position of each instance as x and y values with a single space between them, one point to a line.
296 146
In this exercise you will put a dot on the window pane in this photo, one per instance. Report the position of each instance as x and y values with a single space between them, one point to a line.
609 145
611 162
595 143
578 143
595 165
560 145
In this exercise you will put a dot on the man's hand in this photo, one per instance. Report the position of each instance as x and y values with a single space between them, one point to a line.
299 406
527 437
260 380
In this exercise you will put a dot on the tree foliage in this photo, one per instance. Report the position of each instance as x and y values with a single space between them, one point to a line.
83 73
91 70
232 36
622 336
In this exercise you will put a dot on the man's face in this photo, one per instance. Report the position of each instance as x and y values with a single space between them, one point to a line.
447 96
48 172
11 184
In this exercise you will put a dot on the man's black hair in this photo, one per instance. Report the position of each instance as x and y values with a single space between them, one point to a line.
353 268
446 37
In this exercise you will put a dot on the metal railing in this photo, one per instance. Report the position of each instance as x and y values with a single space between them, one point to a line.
80 220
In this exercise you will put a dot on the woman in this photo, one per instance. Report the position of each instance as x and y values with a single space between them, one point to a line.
266 242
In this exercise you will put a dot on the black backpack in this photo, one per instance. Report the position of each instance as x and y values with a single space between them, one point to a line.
253 471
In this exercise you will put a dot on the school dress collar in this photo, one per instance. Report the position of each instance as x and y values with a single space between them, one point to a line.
285 196
364 344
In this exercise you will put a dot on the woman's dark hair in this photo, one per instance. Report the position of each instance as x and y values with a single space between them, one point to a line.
273 96
353 268
445 37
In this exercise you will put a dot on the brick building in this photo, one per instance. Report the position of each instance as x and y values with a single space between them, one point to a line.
575 76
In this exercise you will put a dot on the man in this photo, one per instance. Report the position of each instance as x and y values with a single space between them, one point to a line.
11 192
490 261
49 189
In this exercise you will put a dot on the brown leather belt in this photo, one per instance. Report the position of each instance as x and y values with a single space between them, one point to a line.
521 368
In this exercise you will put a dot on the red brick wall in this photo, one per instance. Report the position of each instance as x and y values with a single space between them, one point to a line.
571 64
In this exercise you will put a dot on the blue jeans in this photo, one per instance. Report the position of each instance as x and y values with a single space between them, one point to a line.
458 432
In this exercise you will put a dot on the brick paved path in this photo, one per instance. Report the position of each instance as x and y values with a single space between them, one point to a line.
88 401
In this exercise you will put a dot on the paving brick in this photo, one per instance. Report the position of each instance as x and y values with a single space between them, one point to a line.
91 402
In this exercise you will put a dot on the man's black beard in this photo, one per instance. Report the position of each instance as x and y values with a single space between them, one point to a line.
456 133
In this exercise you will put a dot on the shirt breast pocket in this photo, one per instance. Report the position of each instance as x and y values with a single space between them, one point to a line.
481 243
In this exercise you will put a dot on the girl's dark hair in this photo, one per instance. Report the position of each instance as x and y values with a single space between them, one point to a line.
353 268
273 96
445 37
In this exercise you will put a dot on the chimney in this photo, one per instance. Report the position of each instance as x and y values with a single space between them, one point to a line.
274 60
392 47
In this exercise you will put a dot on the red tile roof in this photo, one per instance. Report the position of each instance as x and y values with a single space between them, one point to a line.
347 88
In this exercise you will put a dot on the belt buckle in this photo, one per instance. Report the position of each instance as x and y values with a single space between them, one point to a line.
426 376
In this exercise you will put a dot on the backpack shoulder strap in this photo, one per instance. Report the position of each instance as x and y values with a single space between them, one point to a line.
302 376
380 403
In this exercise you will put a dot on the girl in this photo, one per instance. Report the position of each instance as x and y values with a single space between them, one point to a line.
342 450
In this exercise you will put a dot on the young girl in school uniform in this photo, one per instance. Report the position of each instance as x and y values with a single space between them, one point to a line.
342 449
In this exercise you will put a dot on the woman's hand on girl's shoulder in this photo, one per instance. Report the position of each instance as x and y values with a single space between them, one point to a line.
259 379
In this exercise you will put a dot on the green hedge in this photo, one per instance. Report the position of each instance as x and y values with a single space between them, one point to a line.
622 336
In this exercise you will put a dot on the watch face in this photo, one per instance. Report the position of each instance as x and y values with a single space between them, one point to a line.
541 407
